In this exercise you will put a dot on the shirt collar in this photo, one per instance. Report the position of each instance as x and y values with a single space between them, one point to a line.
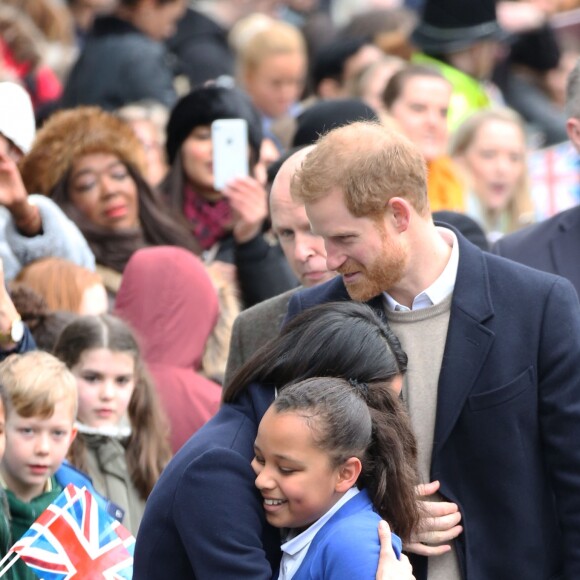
441 287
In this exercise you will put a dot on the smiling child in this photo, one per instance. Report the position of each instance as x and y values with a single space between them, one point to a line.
331 458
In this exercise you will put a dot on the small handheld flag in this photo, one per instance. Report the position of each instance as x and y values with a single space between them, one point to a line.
75 538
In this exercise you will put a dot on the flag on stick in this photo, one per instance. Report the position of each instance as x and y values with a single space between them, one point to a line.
75 538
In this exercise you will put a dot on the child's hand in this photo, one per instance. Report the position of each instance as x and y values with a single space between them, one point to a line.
389 567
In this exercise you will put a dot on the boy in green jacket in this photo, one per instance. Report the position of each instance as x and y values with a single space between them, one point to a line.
40 409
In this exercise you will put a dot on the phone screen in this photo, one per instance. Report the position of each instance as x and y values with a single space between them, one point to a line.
230 150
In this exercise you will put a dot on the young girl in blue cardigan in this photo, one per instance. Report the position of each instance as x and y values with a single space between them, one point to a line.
333 457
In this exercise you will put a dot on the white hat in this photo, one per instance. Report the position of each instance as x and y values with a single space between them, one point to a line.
16 116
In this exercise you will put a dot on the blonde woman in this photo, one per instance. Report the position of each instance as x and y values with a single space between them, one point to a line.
490 147
272 67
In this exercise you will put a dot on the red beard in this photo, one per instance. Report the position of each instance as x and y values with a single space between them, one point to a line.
381 275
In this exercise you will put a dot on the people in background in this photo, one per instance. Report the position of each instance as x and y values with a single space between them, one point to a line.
124 51
123 441
65 286
93 166
272 68
417 98
162 313
228 225
40 398
149 119
490 147
32 226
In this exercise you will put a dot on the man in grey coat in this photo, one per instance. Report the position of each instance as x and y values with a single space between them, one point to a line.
306 255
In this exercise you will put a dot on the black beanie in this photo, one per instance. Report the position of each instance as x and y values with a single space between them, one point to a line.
448 26
324 116
203 106
329 61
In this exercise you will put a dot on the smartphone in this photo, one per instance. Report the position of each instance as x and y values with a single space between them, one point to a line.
230 151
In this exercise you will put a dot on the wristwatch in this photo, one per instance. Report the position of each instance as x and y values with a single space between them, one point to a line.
16 332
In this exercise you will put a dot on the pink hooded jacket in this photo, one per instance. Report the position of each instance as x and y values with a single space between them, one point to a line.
169 300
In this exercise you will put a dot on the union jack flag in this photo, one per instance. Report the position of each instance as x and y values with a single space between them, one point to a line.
75 538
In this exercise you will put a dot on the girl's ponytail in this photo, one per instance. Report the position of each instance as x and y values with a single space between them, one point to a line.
390 465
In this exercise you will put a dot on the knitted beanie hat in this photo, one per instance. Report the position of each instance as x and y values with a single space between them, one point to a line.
203 106
72 133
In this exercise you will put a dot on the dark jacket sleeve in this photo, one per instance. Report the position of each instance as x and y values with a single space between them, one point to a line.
150 77
201 46
222 543
25 345
263 271
559 412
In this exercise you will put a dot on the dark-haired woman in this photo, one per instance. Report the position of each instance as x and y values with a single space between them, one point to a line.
92 165
205 518
227 224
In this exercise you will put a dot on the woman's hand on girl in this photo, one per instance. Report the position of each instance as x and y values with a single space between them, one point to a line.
390 568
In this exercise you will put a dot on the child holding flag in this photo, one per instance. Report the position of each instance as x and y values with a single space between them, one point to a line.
40 407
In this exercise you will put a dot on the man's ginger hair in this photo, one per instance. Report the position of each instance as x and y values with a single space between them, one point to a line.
370 164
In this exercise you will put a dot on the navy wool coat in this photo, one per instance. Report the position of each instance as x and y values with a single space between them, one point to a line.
204 519
507 433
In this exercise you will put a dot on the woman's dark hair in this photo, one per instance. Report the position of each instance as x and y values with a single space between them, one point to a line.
336 339
367 421
396 84
147 449
160 225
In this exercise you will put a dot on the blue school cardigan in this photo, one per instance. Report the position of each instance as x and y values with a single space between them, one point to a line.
347 546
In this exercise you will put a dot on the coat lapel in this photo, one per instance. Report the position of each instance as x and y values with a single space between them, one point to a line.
468 340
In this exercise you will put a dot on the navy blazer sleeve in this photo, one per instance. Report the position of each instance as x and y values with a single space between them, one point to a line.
224 521
559 410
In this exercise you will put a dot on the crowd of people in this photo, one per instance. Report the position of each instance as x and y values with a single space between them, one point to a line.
353 359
